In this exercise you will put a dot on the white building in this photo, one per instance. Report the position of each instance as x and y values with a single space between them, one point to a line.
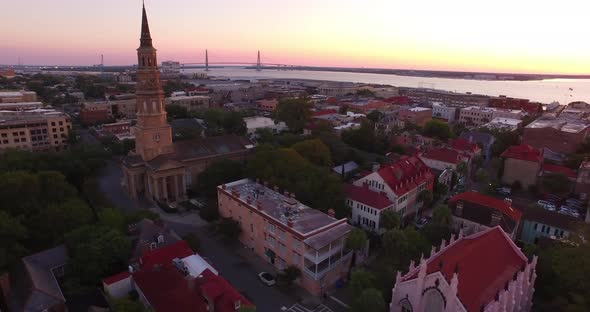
478 116
170 68
400 182
191 103
482 272
367 207
444 112
258 122
506 124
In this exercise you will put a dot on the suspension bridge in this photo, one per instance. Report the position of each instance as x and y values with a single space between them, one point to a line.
258 65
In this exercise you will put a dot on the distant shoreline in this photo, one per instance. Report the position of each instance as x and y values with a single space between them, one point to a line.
482 76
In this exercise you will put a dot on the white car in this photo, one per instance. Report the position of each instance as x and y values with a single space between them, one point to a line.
546 205
267 278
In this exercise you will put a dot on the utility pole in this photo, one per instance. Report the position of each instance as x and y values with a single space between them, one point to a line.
206 60
258 64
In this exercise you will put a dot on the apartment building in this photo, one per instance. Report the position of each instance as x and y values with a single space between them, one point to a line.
415 115
425 96
444 112
478 116
102 111
37 130
191 103
18 96
285 232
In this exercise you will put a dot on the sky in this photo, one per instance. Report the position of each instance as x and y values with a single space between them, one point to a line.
518 36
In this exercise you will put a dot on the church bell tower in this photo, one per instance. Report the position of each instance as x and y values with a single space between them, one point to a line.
153 136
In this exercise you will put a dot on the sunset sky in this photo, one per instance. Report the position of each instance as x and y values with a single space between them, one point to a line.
537 36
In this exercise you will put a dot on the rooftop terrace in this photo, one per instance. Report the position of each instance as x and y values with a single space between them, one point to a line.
285 209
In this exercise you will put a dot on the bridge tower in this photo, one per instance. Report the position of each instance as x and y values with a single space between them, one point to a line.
206 60
258 64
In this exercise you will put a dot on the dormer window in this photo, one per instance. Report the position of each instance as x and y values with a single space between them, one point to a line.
237 305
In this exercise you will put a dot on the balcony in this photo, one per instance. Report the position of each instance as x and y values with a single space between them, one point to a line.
317 271
318 256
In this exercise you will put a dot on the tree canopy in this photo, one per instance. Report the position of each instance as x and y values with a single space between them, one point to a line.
315 151
366 138
556 183
437 129
296 113
219 172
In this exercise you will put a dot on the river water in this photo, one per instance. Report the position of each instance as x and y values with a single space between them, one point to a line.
544 91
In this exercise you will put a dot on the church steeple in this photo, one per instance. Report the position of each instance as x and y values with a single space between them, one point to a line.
146 37
153 136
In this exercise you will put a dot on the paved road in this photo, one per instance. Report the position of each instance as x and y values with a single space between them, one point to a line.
110 185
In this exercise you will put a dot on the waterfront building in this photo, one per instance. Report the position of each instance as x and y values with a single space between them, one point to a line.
17 96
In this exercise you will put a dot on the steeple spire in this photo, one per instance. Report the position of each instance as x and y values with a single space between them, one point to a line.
146 38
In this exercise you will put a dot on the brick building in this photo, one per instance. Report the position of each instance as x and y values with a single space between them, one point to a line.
36 130
474 212
522 163
285 232
415 115
559 134
531 108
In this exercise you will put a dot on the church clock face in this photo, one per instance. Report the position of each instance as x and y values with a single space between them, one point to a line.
151 82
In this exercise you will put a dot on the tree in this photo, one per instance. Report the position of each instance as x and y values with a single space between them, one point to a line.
556 183
481 175
228 228
112 218
425 197
127 305
193 241
264 136
12 237
360 280
369 300
343 109
365 138
462 168
437 129
294 112
356 240
401 246
95 252
289 275
477 161
442 215
176 111
219 172
390 219
315 151
375 116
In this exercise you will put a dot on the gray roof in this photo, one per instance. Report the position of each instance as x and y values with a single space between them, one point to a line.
148 232
348 167
35 287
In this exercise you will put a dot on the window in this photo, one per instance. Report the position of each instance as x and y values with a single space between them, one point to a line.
53 123
251 228
22 133
15 134
271 228
535 226
61 123
434 300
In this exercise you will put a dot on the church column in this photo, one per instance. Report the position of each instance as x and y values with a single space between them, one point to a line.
176 192
149 186
158 189
165 188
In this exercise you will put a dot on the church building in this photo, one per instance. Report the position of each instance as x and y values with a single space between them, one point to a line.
160 169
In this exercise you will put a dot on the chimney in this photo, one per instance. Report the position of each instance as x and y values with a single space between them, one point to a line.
376 167
331 213
290 223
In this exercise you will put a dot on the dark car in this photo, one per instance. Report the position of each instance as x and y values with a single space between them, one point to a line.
422 223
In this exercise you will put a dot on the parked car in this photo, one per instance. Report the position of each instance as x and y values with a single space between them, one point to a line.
573 201
504 190
267 278
569 211
546 205
422 223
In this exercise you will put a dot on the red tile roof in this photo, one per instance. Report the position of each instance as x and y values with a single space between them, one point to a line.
323 112
485 262
366 196
444 154
463 145
115 278
165 254
167 289
491 202
560 169
523 152
406 174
